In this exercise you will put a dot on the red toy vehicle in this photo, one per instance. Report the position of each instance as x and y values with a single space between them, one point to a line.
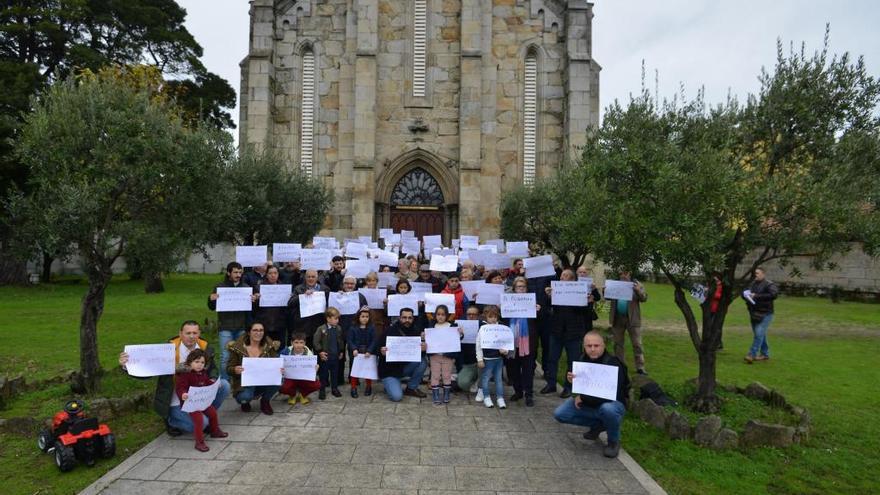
75 437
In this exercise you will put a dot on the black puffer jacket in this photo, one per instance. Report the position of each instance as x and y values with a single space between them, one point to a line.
763 292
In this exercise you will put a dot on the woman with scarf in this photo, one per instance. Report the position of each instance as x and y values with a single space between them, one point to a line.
521 362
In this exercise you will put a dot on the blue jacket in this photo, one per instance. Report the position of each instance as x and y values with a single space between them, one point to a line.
362 339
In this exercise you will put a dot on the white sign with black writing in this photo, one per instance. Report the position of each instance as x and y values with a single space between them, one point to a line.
595 380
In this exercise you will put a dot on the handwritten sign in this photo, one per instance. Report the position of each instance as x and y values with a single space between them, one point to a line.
698 292
412 246
356 250
365 367
499 244
595 380
472 288
348 303
539 266
496 337
200 398
407 234
396 302
150 359
469 242
490 294
386 258
420 289
275 295
392 240
328 243
470 328
300 367
570 293
618 290
234 299
261 371
434 300
357 268
403 349
516 305
518 249
493 261
387 279
251 255
313 304
442 340
375 297
440 263
315 259
385 233
282 252
431 242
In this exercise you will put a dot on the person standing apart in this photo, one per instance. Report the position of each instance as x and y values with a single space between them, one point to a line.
759 299
626 317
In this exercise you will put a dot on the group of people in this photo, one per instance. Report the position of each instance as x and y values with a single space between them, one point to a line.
337 339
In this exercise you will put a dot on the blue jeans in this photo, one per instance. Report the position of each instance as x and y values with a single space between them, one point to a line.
610 415
227 336
393 385
573 350
247 394
759 343
181 420
493 368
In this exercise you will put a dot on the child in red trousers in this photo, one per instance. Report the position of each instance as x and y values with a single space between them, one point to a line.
197 376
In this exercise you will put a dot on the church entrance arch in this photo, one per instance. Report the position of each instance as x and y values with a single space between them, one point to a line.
418 192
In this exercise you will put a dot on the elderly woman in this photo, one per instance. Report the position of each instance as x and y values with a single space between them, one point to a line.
252 344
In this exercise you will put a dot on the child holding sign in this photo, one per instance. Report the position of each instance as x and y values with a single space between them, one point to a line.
197 376
298 389
490 361
330 346
441 364
362 340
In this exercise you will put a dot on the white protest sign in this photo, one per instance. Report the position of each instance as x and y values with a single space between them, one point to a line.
275 295
434 300
313 304
470 329
539 266
489 248
387 279
396 302
150 359
348 303
499 245
385 233
300 367
261 371
365 367
420 289
698 292
407 234
490 294
519 249
234 299
595 380
588 280
493 261
618 290
357 268
356 250
431 242
496 337
374 265
456 243
365 239
387 258
569 293
442 340
472 287
251 255
315 259
282 252
516 305
375 297
469 242
393 239
448 263
412 246
476 256
328 243
403 349
200 398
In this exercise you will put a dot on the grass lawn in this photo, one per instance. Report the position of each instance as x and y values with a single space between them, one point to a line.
824 358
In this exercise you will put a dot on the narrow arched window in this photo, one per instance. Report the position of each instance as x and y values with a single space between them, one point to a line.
307 120
530 118
420 38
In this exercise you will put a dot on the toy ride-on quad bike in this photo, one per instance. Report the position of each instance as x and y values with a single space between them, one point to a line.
75 437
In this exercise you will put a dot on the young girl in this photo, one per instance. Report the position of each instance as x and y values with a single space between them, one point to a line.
298 389
197 376
490 360
441 364
362 340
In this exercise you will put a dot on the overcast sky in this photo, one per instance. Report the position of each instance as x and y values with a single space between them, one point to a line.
719 45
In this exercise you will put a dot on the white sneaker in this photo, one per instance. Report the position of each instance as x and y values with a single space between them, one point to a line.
488 401
501 403
474 387
479 397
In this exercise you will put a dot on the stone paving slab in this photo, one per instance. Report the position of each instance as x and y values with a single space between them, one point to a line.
371 446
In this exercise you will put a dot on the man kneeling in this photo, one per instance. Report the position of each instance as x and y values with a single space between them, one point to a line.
596 413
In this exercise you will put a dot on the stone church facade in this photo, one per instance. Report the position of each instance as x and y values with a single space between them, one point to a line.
420 114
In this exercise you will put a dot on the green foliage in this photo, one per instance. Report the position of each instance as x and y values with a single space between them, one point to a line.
273 203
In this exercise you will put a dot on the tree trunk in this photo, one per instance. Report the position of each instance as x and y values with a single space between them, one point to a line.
13 271
88 380
46 275
153 282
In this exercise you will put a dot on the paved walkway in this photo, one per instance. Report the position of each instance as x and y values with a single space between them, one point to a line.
371 446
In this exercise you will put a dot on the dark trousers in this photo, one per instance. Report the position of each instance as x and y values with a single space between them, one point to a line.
544 325
573 349
328 372
521 373
340 372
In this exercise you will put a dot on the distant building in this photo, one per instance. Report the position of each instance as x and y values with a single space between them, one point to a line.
420 114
